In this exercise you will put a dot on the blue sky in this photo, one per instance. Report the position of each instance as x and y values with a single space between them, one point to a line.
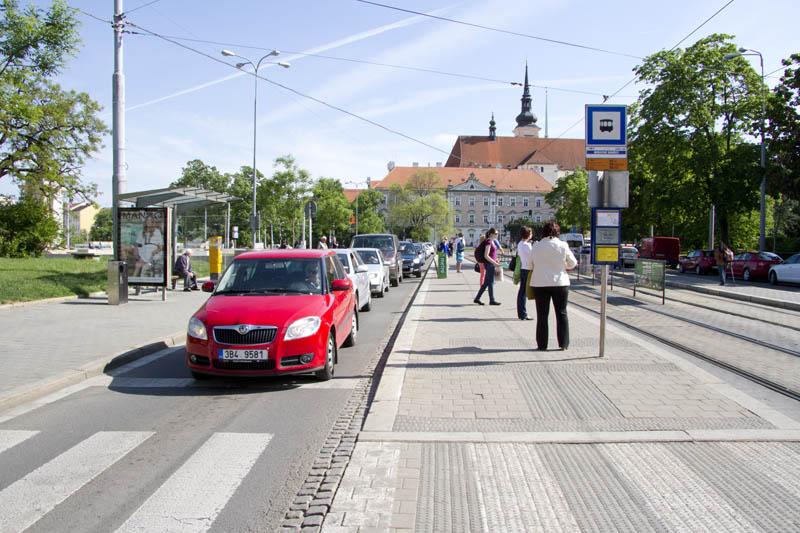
184 105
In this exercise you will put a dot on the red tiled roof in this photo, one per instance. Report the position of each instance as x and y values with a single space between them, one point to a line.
469 151
352 194
503 179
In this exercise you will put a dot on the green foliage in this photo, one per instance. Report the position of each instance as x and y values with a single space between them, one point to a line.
198 174
333 209
103 225
369 221
419 207
514 227
280 198
571 198
686 141
26 229
783 132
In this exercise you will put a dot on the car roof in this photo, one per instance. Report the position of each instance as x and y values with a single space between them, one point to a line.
294 252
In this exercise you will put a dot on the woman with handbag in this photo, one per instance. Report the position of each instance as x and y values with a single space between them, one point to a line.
551 260
489 263
524 259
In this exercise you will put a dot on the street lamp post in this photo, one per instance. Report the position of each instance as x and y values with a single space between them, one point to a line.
254 219
762 237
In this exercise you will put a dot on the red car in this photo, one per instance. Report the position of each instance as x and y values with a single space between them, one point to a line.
274 312
749 265
698 261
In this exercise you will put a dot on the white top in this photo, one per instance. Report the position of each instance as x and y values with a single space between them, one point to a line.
551 259
524 252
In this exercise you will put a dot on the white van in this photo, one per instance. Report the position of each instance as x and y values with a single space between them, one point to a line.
574 240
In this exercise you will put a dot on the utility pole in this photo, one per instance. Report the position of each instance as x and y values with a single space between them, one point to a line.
119 180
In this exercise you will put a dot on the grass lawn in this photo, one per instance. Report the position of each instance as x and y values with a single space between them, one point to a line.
23 280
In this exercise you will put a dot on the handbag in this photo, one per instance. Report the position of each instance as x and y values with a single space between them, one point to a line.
517 269
477 267
529 291
498 274
513 264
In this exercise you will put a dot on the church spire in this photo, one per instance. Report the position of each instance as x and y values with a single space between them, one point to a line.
492 129
526 117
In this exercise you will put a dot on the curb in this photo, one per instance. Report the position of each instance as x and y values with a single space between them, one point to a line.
56 300
99 366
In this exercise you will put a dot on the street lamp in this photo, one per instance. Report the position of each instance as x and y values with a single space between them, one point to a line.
254 220
762 238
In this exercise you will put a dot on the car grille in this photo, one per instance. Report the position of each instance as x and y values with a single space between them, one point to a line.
269 364
229 335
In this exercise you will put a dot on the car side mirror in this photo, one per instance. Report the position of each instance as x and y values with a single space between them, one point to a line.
362 268
208 286
341 284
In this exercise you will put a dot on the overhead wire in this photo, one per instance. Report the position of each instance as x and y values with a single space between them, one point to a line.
140 7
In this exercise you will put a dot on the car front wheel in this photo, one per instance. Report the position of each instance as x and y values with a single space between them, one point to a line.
681 268
351 338
746 274
698 270
773 278
326 372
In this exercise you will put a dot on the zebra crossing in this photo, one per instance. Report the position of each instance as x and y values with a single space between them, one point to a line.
188 501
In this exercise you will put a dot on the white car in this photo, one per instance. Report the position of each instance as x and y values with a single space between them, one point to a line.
378 270
788 271
358 273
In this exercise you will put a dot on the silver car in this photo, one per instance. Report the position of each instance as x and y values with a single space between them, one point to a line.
378 270
358 273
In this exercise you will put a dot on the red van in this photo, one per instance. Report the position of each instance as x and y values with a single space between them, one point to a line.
665 248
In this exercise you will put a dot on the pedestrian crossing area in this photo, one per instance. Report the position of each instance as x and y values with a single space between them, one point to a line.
189 500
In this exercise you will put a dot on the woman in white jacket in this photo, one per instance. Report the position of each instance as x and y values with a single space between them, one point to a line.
551 260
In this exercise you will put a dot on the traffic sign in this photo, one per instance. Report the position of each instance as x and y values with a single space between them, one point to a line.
606 135
352 221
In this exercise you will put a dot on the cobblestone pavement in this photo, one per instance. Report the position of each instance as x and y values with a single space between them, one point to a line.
471 429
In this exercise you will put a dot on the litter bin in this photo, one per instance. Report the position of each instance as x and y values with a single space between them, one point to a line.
441 265
215 257
117 282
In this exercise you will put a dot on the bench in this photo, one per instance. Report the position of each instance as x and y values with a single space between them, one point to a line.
174 280
85 255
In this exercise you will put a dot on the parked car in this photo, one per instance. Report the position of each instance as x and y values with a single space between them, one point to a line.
749 265
423 249
378 270
788 271
698 261
412 264
387 243
358 273
664 248
274 312
628 255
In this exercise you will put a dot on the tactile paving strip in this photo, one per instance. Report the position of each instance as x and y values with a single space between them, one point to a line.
558 396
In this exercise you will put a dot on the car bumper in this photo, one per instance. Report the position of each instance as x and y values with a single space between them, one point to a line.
283 357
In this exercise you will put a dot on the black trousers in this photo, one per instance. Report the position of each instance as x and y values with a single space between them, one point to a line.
559 296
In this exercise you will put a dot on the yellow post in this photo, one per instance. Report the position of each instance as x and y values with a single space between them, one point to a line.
215 256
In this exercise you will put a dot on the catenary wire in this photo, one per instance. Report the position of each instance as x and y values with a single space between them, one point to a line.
141 6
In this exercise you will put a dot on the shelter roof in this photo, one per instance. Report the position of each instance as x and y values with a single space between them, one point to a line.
181 197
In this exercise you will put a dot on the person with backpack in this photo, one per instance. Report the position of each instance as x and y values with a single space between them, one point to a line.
459 251
486 255
722 256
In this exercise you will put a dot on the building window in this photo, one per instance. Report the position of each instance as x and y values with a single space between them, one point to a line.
525 201
500 201
513 201
485 219
471 220
538 202
472 201
499 219
458 200
538 218
458 218
512 217
485 201
385 198
551 216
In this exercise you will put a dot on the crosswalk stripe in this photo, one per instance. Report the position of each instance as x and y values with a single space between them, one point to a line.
10 438
30 498
192 497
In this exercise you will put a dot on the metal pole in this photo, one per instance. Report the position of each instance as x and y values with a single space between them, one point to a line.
304 228
357 213
228 226
118 182
762 239
603 300
711 228
256 221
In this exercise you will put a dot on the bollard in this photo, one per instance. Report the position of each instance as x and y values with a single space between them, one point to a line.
117 282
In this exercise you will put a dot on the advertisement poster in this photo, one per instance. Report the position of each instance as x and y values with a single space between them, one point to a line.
143 244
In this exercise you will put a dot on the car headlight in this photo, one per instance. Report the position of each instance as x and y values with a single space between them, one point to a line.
197 329
416 260
305 327
373 275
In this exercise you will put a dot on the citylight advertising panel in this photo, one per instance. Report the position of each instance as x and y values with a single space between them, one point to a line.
143 244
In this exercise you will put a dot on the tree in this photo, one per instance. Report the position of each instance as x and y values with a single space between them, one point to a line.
280 198
686 138
26 228
783 132
333 209
102 227
369 221
198 174
46 133
570 196
419 207
514 227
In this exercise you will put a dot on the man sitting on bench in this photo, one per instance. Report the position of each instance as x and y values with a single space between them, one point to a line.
183 267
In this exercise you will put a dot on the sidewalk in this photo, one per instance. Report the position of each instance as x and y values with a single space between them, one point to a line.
473 430
52 345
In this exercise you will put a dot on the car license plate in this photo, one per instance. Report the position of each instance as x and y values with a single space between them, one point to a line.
242 355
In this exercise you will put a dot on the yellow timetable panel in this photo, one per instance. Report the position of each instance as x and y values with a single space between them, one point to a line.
607 254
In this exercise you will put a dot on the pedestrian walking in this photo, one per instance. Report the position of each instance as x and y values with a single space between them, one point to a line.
488 257
443 246
722 256
524 257
459 251
551 258
478 264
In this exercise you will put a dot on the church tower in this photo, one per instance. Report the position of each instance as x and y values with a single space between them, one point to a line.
526 120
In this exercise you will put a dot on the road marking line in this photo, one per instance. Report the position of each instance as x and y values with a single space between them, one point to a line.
167 383
28 499
196 493
10 438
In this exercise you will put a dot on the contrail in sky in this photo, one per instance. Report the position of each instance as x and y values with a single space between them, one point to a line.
322 48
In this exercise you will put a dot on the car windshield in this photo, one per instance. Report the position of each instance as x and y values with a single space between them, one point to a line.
407 249
768 256
381 242
369 257
343 259
272 275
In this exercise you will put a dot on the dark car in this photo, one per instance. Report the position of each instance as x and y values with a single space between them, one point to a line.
698 261
387 243
412 262
750 265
